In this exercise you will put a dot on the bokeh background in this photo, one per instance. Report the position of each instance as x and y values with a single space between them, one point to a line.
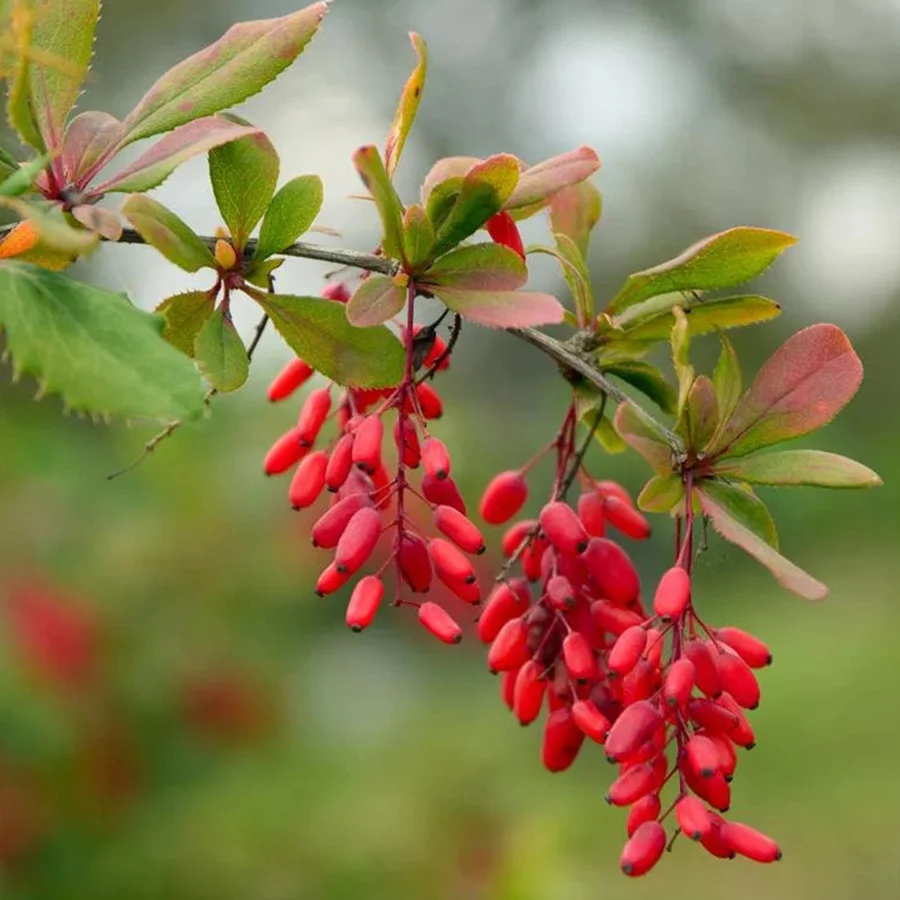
206 727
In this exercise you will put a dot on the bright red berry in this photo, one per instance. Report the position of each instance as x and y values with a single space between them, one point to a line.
440 623
308 481
504 497
358 541
643 850
285 453
364 602
462 531
291 377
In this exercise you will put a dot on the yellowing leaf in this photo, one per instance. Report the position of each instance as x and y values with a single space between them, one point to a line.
409 105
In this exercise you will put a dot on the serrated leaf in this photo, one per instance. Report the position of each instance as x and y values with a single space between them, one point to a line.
241 63
640 435
376 179
418 238
727 380
89 139
317 330
155 165
22 179
165 231
376 300
63 29
477 267
812 468
787 573
538 183
800 388
408 106
661 494
292 211
722 260
574 211
648 379
502 309
244 175
99 353
221 353
484 191
575 273
653 320
185 314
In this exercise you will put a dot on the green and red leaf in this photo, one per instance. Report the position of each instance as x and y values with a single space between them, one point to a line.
574 211
89 138
540 182
418 238
477 267
701 413
374 176
812 468
408 106
661 494
502 309
377 299
639 433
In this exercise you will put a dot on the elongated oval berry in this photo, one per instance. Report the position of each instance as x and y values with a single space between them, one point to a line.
337 291
340 462
673 593
560 593
706 675
591 512
358 540
367 444
636 725
634 783
716 791
750 648
738 679
440 623
450 562
468 593
710 715
503 230
312 416
643 850
443 491
406 439
655 643
563 528
286 452
562 741
741 731
516 535
291 377
578 657
640 683
613 571
429 400
504 496
614 619
308 481
647 809
528 695
679 683
727 755
625 518
435 458
627 650
608 489
693 818
461 530
331 525
414 563
702 756
712 841
509 650
364 602
590 720
749 842
502 605
331 580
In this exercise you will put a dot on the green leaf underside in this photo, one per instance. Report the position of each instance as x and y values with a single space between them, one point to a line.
89 137
681 360
317 330
165 231
477 267
91 347
661 494
640 436
574 211
408 106
244 175
702 413
418 238
649 380
722 260
377 181
787 573
484 190
812 468
185 314
743 506
727 381
538 183
800 388
502 309
290 214
241 63
221 353
377 299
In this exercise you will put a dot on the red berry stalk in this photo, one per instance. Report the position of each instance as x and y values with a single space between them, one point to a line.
368 503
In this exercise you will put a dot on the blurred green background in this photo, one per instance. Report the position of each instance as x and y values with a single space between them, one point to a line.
234 741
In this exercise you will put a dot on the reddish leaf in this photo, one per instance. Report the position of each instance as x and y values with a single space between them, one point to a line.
479 267
638 433
539 182
502 309
743 506
376 300
574 211
89 138
444 169
702 413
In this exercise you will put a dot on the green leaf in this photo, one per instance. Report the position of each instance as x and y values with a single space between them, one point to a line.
165 231
484 191
574 211
90 139
653 320
241 63
641 436
99 353
502 309
743 506
63 29
575 273
648 380
449 168
800 388
813 468
260 271
292 210
538 183
221 353
8 163
681 360
22 179
376 179
155 165
53 229
441 201
408 106
702 413
376 300
185 314
727 380
244 175
418 238
317 330
19 112
720 261
788 575
477 267
661 494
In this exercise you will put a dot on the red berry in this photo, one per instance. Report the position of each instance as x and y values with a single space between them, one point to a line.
503 230
590 720
508 687
750 648
439 622
693 818
435 458
414 563
738 679
627 650
712 841
462 531
560 593
528 695
636 725
624 517
308 481
516 534
710 715
741 731
443 491
715 790
643 850
702 756
563 528
562 741
591 512
502 605
509 650
339 463
358 540
331 580
679 683
634 783
613 572
331 525
312 415
450 562
706 675
364 602
614 619
647 809
749 842
336 290
409 448
367 444
291 377
578 657
673 593
503 497
284 453
430 403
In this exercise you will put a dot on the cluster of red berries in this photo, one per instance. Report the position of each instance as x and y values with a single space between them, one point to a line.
366 501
